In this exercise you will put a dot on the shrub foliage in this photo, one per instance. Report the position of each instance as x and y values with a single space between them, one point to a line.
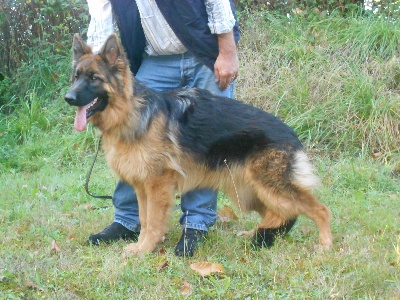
34 25
332 73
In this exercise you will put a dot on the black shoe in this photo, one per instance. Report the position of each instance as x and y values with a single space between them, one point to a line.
189 241
113 233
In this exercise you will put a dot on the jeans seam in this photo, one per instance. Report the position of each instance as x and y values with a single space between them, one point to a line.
135 227
195 226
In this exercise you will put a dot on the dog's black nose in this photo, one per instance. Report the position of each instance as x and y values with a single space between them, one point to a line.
70 97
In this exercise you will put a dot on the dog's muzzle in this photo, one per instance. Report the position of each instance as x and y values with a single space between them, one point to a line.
70 98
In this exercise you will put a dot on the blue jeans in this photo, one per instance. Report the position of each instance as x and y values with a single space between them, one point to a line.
161 73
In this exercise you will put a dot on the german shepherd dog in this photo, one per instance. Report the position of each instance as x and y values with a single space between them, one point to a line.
185 139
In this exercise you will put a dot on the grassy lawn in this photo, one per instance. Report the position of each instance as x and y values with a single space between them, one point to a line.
334 80
41 207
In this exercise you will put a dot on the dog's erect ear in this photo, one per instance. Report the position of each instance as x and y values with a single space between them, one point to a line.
112 50
80 48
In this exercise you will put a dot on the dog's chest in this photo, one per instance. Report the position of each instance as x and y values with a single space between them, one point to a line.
134 161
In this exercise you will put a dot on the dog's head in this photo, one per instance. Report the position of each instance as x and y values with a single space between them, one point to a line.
95 77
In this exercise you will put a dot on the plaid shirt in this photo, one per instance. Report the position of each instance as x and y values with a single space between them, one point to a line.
161 40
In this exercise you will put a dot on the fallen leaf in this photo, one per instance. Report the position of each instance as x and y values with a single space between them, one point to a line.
54 247
226 214
186 289
207 268
87 206
246 233
163 265
297 11
376 155
33 286
162 251
21 229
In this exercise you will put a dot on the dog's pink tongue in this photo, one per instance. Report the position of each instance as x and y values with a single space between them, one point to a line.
80 118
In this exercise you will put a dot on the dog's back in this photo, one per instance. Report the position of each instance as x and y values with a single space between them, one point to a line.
218 129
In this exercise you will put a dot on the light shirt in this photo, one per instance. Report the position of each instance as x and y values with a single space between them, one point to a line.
161 40
101 23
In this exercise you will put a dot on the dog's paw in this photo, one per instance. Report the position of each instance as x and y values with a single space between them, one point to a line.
131 250
324 247
325 242
263 238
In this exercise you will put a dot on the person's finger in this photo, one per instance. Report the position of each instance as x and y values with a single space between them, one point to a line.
223 83
216 74
226 81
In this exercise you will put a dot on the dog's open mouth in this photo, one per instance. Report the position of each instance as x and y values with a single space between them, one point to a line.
85 112
91 107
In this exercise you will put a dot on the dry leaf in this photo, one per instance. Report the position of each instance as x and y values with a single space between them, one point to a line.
163 265
246 233
54 247
162 251
186 289
22 229
87 206
376 155
226 214
297 11
206 268
33 286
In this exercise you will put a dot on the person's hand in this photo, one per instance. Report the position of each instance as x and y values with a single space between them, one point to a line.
226 66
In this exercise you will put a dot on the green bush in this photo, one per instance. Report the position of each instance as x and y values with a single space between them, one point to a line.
329 82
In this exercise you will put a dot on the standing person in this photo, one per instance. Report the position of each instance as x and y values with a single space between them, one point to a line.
170 44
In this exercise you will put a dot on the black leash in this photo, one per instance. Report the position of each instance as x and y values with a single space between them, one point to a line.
90 173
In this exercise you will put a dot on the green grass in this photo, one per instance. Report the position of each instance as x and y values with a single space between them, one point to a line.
40 207
334 80
315 76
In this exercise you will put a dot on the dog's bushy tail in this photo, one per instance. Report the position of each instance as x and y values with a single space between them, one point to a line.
303 172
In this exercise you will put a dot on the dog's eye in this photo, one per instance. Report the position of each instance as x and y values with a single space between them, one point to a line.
95 77
77 74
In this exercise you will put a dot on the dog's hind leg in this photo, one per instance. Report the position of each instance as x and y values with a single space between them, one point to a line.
282 182
284 209
271 227
283 206
310 206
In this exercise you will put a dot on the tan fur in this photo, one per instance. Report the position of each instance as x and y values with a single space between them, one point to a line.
156 166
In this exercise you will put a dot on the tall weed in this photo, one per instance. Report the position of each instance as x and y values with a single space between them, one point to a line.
307 72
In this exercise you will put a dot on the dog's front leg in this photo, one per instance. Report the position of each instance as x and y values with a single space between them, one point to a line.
154 207
133 248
